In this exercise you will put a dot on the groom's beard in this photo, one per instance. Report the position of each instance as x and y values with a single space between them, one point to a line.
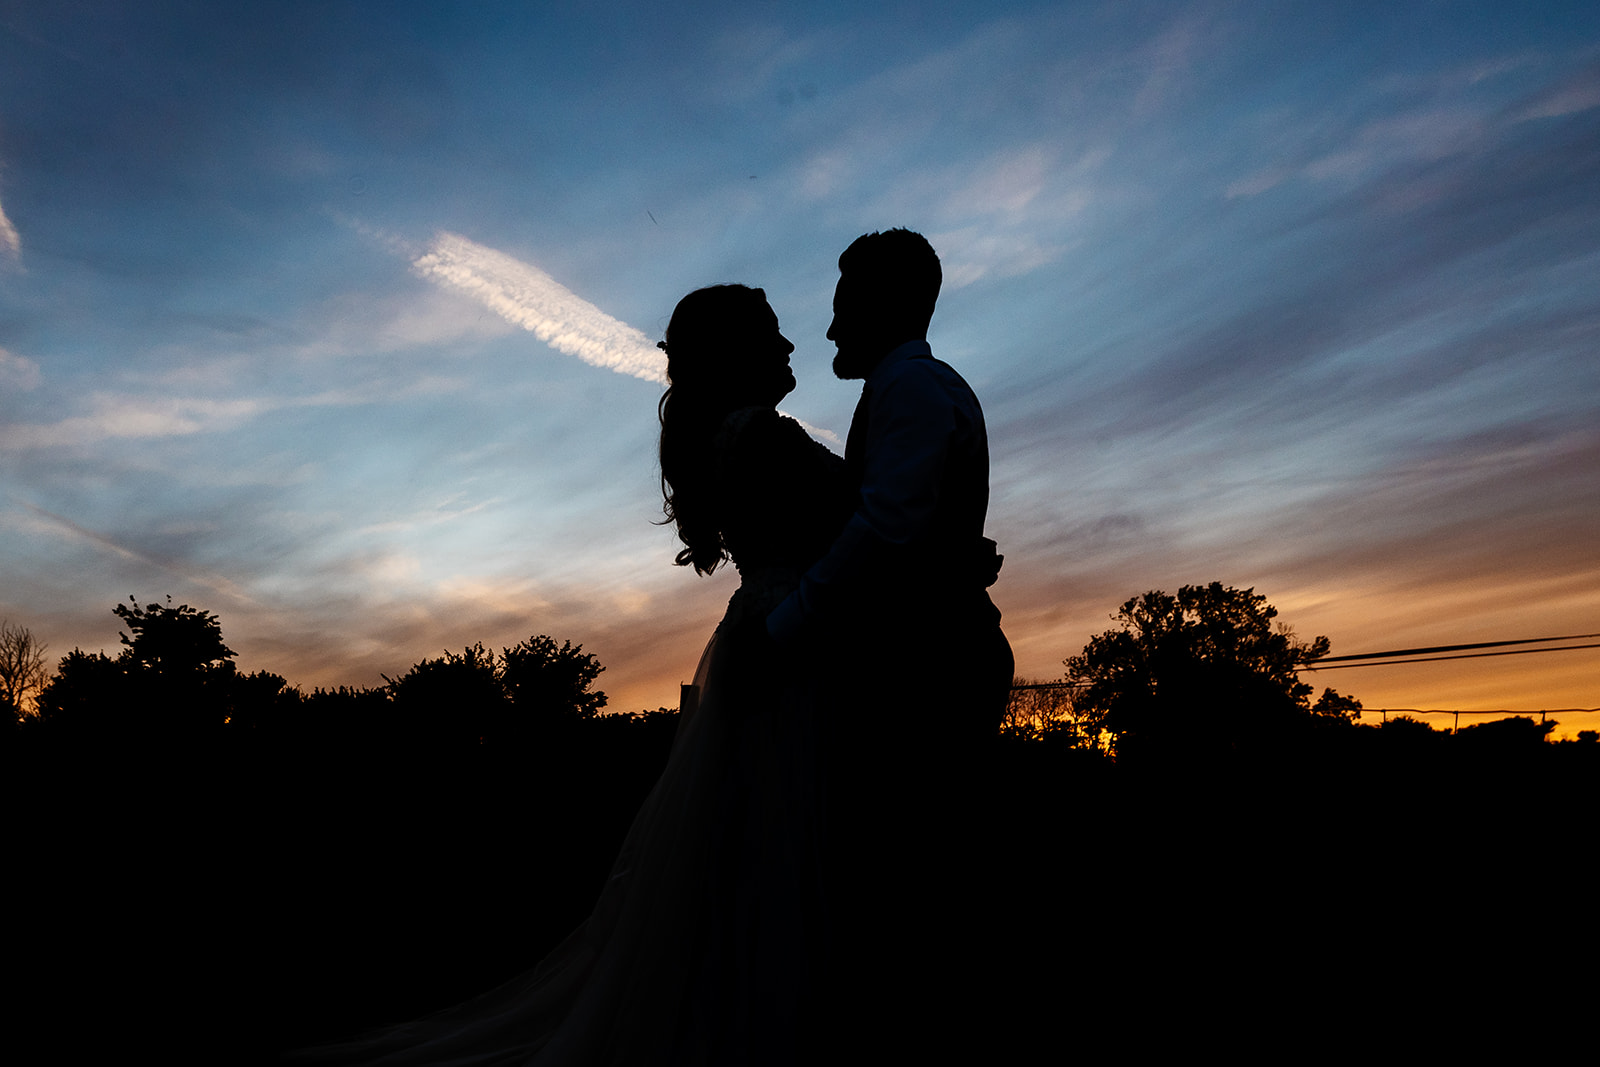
848 365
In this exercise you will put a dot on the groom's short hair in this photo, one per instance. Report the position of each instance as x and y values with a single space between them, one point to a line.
902 269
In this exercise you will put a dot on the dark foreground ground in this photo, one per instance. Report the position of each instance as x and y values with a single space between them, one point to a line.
217 906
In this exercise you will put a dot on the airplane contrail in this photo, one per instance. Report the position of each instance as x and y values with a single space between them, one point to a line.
526 296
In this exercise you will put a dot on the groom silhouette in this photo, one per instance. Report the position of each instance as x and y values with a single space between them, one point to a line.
899 603
897 626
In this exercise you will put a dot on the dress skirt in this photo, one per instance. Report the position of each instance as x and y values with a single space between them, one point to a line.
701 947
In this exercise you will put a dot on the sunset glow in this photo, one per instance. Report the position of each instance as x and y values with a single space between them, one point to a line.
339 321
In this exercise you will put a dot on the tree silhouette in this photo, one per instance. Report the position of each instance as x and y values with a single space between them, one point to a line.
1042 711
340 719
88 696
171 641
545 682
1207 669
476 697
455 699
174 677
1408 730
1334 706
1516 733
254 701
22 673
178 668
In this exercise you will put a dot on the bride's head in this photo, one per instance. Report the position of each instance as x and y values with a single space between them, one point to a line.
724 346
724 352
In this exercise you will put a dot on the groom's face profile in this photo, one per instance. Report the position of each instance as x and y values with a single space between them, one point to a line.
857 329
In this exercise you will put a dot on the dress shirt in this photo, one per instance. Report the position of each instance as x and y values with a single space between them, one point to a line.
920 454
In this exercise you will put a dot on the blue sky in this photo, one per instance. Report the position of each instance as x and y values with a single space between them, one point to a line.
337 319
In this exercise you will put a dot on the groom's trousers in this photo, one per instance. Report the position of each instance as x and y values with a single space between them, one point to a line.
921 693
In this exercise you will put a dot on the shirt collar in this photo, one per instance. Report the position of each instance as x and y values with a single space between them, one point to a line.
908 350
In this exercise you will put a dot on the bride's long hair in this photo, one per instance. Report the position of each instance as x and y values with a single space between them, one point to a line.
709 329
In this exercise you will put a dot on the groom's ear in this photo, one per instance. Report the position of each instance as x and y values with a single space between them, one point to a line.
892 307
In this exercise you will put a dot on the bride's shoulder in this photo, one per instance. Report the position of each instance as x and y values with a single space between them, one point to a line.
757 428
758 441
738 422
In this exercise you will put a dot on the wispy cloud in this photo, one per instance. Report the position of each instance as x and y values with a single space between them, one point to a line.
1416 137
119 417
971 253
18 372
526 296
61 526
124 417
10 240
1579 93
1167 61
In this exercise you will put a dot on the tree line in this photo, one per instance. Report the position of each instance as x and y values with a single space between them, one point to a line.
175 680
1211 673
1206 673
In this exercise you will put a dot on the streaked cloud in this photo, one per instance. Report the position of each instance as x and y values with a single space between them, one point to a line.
1006 184
975 252
524 295
118 417
127 418
60 526
1577 94
369 323
1166 62
1257 183
10 239
18 372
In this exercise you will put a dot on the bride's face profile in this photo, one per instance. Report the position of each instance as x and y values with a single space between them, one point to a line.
766 370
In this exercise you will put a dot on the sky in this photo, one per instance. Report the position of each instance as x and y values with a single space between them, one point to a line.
338 319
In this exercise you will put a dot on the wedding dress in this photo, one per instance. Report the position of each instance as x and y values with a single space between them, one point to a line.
701 946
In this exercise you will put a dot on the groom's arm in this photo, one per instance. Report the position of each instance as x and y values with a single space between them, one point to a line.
912 423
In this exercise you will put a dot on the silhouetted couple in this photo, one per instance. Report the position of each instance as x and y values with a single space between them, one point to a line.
803 878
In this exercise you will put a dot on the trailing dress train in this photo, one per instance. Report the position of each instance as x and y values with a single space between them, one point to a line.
703 944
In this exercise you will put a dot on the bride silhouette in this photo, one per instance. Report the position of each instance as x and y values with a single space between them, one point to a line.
705 943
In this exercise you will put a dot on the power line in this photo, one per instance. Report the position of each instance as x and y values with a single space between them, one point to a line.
1437 659
1460 648
1415 655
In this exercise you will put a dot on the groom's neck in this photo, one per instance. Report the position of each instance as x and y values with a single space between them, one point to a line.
863 366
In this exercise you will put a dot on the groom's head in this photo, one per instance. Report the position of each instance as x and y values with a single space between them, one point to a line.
888 284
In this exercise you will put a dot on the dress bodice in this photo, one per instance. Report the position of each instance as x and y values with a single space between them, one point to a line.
782 497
